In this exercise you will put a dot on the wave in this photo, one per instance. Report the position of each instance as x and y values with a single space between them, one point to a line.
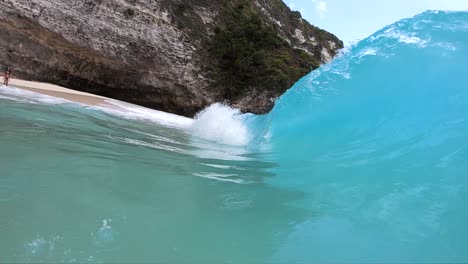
368 151
399 90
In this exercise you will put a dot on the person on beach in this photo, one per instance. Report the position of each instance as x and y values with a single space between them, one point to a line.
6 77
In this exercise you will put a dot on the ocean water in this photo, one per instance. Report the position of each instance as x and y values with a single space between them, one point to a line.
363 160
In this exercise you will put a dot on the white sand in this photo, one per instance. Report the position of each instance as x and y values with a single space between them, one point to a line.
58 91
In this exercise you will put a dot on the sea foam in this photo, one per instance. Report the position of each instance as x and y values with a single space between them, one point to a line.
222 124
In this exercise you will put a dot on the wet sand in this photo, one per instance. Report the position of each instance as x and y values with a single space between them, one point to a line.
59 92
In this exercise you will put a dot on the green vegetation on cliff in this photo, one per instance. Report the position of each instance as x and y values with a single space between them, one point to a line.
251 51
250 54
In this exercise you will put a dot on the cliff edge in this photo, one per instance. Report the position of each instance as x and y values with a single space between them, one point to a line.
177 56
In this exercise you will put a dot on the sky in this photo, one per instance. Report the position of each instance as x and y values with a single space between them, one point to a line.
352 20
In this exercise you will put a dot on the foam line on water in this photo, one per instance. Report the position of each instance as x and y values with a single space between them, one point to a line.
224 167
220 177
218 122
16 94
154 145
135 112
113 107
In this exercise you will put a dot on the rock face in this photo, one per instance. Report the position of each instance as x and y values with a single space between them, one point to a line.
157 53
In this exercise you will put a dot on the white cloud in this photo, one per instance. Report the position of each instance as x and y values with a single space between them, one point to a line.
293 6
320 7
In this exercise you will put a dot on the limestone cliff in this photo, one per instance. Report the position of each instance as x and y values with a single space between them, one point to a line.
174 55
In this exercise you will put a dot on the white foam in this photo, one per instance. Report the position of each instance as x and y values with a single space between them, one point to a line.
41 246
222 124
36 246
22 95
218 122
220 153
154 145
368 52
156 137
411 40
8 98
220 177
135 112
113 107
225 167
403 37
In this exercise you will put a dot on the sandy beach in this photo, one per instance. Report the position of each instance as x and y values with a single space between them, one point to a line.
58 91
116 107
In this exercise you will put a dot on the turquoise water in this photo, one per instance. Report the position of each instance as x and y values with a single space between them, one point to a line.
363 160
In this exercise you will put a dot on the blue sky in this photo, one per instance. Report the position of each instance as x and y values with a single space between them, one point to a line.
357 19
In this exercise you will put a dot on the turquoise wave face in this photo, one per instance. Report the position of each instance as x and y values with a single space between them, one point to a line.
363 160
397 99
378 140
